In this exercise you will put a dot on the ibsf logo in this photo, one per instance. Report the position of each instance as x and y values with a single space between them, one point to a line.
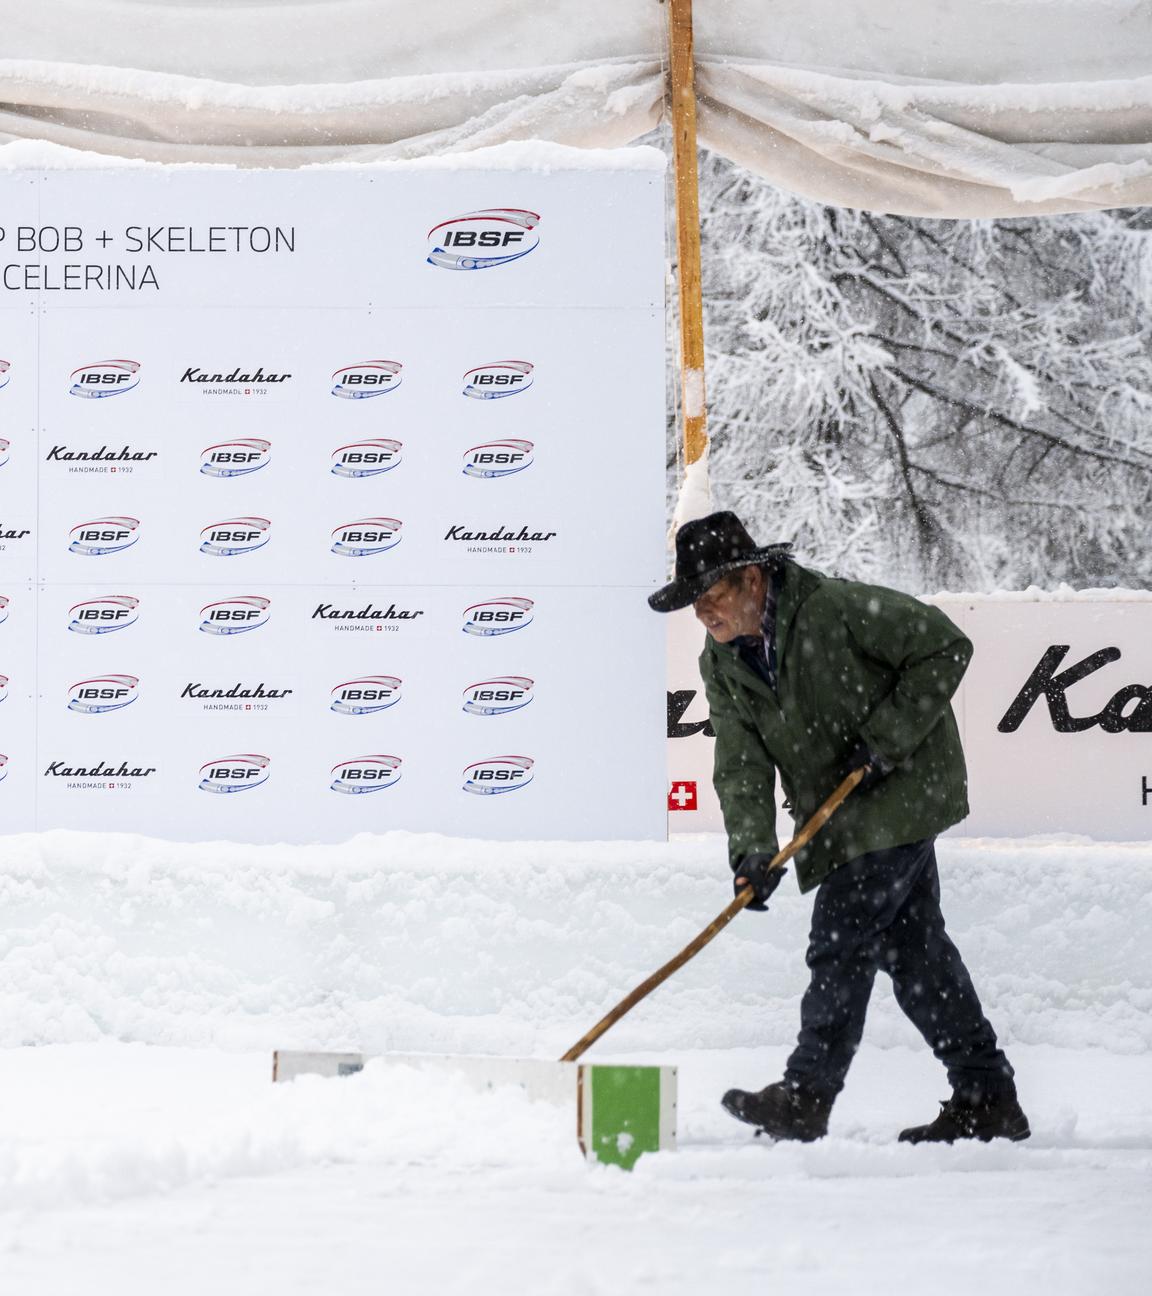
236 773
235 536
105 535
106 378
5 373
368 378
499 774
4 448
235 458
498 459
366 695
3 608
498 616
366 537
366 774
235 616
481 239
498 696
503 378
366 458
102 694
103 615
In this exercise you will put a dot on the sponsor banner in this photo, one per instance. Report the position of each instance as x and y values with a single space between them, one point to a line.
1055 713
253 573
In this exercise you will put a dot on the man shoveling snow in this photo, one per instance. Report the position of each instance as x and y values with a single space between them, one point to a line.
816 677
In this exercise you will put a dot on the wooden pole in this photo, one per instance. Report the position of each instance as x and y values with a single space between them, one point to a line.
682 67
717 925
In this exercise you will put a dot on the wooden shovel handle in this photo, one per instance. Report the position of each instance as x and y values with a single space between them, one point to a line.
717 925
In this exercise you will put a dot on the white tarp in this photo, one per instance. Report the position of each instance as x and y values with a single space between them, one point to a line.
952 108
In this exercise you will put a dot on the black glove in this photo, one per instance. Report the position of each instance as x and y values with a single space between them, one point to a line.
762 879
874 765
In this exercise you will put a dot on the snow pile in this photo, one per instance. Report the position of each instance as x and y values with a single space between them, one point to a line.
420 943
100 1124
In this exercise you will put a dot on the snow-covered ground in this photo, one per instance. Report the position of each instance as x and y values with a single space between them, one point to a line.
143 1147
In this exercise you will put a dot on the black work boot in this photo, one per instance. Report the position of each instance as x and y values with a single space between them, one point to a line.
782 1111
993 1115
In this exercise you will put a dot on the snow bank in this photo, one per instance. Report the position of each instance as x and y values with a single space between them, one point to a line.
426 943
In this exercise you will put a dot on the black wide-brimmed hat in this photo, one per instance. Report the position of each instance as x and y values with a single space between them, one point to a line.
706 549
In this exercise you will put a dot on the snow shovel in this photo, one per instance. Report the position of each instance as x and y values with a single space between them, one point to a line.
717 925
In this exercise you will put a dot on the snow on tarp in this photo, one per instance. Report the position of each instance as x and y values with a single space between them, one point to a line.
956 108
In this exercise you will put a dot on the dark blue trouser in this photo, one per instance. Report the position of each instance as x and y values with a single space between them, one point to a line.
882 910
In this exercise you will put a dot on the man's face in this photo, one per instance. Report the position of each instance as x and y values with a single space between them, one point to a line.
733 606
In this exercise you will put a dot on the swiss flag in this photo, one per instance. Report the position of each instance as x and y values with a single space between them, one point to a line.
682 795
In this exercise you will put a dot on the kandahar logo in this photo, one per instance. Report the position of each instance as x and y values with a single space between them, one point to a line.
105 378
366 695
481 239
235 616
102 694
103 615
368 378
498 616
105 535
502 378
366 774
366 458
498 774
366 537
235 458
498 459
498 696
5 373
236 773
235 536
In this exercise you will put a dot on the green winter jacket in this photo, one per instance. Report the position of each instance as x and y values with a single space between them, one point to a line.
855 662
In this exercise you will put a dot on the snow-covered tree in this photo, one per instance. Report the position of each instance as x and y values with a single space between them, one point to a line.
962 404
